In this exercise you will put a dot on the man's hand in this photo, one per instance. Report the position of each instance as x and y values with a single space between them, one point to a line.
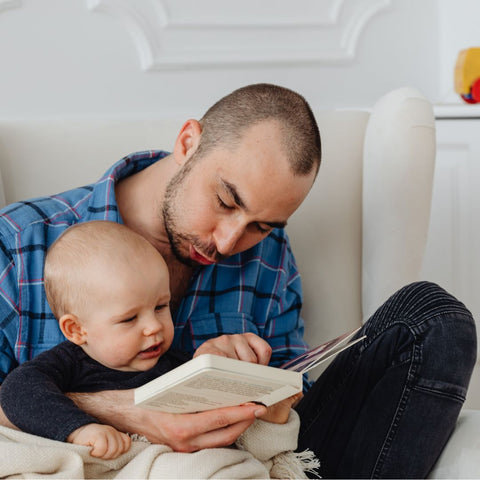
214 428
106 441
279 412
187 432
246 346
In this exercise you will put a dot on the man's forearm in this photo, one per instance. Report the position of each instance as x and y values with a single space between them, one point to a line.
182 432
111 407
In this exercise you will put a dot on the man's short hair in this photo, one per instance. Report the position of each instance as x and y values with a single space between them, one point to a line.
224 124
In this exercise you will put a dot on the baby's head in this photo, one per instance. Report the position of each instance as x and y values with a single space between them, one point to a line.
109 289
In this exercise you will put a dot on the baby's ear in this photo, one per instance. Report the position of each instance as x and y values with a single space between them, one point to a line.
72 329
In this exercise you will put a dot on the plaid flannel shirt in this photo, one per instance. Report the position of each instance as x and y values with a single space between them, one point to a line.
256 291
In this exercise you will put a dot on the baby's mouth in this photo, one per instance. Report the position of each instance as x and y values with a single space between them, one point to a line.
153 351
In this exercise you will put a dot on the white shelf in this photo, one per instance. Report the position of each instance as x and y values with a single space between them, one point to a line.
456 110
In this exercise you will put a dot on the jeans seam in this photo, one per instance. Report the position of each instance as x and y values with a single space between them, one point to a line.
415 361
311 419
413 329
460 398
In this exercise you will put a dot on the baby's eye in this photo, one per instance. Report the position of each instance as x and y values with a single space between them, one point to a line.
158 308
128 320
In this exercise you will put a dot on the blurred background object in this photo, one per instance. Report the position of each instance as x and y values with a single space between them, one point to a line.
467 75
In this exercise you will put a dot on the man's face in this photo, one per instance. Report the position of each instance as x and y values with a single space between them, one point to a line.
229 200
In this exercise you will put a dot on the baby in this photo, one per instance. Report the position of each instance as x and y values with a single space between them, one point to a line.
109 289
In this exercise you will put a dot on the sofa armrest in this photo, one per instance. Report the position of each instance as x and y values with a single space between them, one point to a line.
461 456
398 167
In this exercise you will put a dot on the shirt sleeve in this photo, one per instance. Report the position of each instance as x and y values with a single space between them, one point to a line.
284 326
9 314
32 396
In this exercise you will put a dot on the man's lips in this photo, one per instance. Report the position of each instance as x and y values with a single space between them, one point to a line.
199 258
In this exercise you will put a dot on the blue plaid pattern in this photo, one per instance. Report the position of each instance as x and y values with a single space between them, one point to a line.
256 291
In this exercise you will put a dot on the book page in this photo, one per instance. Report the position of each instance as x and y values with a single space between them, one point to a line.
214 389
309 360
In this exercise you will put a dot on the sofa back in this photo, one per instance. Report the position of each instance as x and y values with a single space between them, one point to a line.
326 231
341 233
50 155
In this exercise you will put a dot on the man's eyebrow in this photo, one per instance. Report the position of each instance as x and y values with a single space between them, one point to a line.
231 189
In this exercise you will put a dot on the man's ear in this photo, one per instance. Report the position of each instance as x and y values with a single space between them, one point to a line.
72 329
187 141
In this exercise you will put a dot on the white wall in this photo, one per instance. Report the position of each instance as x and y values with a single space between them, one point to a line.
171 57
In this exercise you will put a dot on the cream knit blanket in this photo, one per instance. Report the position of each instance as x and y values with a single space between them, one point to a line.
263 451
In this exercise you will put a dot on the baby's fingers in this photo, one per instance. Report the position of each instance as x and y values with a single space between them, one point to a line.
111 446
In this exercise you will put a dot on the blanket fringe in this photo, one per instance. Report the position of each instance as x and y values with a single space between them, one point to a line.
292 465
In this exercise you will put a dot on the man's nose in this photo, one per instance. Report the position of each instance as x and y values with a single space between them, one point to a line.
227 236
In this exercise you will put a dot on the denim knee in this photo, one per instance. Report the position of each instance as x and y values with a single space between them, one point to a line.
443 333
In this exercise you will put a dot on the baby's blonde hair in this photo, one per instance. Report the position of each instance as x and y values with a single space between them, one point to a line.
78 249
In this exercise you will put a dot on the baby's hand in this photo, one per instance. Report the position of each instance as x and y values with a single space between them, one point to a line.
279 412
106 441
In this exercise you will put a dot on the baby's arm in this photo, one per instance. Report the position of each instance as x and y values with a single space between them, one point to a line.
32 396
106 441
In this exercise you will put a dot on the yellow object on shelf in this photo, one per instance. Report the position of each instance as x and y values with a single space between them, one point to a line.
467 74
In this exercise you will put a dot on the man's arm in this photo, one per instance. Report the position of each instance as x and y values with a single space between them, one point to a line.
182 432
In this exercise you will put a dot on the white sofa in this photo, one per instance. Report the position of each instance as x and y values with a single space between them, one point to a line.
358 237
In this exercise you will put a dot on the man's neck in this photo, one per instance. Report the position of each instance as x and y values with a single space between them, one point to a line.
140 202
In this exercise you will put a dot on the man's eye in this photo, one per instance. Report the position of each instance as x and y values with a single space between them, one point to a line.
263 229
222 204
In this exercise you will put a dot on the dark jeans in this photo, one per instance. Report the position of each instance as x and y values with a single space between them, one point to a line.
386 408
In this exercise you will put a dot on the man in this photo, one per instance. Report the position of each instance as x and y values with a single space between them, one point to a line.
215 208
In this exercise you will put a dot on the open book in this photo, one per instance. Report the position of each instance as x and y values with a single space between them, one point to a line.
209 381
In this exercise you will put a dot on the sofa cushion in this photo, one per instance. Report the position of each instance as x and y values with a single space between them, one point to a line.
461 456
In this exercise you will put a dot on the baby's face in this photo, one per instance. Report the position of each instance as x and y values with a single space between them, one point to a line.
127 320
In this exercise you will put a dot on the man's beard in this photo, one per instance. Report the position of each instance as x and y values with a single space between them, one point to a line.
170 219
